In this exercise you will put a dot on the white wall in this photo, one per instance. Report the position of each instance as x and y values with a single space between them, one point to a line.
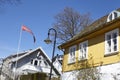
107 73
58 66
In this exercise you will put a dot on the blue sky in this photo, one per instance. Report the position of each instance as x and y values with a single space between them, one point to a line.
38 15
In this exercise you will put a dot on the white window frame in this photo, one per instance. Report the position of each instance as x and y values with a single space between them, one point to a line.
33 62
40 62
82 51
112 16
72 54
110 49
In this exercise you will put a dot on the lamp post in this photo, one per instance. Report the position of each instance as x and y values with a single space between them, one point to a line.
49 41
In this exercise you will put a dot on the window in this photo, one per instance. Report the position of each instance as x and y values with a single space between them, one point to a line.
113 15
111 41
36 62
40 63
110 17
71 58
83 50
32 61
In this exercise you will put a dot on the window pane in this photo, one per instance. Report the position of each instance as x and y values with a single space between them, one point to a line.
83 50
115 15
114 41
70 50
109 43
36 62
114 35
74 50
84 54
115 48
39 62
108 46
109 49
32 61
108 37
110 17
72 54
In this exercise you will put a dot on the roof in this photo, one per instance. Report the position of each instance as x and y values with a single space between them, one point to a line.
96 25
26 53
15 55
59 58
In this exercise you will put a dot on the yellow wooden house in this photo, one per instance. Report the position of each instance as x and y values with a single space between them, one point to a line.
97 45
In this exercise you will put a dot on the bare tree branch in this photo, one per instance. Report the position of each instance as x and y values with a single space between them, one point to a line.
69 23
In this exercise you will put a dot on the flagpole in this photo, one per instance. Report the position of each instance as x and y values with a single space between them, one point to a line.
19 43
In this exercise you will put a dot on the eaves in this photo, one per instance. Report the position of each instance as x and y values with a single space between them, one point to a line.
87 31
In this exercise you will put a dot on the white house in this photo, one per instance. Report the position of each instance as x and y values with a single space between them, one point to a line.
31 61
57 62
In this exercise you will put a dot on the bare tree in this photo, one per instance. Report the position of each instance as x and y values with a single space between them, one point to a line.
91 73
69 23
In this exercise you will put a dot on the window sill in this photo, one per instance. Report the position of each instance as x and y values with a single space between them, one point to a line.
84 59
71 62
111 53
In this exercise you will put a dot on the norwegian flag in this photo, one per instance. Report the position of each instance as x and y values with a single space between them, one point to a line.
24 28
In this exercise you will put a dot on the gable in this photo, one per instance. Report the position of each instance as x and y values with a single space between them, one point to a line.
33 60
113 15
33 57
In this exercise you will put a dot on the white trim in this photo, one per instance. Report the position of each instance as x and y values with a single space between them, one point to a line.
72 59
45 54
60 66
112 15
110 33
29 52
81 56
106 72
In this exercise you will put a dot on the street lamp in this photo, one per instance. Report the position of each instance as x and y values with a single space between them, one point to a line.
49 41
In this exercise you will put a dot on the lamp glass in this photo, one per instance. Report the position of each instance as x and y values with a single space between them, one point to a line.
47 41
